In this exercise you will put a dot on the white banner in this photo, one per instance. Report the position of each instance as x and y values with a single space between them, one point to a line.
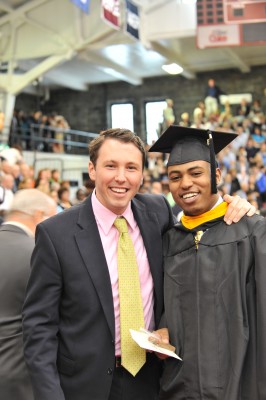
218 36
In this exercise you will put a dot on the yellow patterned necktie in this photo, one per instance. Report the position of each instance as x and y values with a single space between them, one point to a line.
131 309
197 238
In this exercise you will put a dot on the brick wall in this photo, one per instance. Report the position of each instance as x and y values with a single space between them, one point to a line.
89 110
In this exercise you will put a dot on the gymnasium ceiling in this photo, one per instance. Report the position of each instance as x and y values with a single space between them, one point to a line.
47 44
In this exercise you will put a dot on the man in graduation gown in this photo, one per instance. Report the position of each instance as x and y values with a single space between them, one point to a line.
215 279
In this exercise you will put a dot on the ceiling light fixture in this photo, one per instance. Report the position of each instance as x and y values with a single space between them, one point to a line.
172 69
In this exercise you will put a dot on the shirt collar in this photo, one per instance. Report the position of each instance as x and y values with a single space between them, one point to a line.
219 201
105 218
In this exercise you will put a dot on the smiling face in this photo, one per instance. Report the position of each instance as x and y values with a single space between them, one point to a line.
190 186
117 174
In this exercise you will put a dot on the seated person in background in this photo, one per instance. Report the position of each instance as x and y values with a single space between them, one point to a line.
243 109
64 198
81 195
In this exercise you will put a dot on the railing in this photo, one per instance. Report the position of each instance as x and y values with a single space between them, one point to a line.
46 139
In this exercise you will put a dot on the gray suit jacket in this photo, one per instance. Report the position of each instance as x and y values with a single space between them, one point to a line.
69 326
15 250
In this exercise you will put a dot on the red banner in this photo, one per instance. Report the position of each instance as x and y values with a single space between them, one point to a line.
111 12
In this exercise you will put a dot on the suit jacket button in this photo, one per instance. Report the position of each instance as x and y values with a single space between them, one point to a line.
109 371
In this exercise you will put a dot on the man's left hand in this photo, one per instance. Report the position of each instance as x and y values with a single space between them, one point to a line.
237 208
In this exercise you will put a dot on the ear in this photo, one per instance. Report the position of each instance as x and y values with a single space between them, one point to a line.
91 171
218 176
38 216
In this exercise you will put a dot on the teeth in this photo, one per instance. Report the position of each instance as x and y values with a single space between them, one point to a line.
119 190
188 195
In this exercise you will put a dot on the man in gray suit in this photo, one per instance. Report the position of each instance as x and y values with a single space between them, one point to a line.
29 207
71 315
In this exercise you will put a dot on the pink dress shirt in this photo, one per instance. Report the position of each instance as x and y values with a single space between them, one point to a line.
109 237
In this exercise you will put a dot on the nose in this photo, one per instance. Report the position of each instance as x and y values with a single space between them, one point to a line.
186 182
120 177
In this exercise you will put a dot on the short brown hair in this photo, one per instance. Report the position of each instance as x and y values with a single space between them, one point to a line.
123 135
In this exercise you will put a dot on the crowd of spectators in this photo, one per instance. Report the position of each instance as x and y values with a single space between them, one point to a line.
243 163
35 131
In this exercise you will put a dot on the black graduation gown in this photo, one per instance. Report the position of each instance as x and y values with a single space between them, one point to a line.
215 310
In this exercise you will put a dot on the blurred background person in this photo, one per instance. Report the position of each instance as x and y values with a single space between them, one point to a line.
62 125
89 185
212 98
168 115
64 198
12 154
2 121
7 184
185 120
80 195
29 207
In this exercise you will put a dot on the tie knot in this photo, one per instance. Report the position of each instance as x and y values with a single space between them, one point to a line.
121 225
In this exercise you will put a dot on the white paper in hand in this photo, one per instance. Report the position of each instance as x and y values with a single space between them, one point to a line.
142 339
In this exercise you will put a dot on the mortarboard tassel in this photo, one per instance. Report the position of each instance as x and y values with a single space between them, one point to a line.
213 164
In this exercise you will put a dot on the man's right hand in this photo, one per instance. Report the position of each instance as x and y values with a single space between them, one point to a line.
161 336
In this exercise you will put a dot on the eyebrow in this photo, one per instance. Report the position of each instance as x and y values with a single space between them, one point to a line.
190 169
115 162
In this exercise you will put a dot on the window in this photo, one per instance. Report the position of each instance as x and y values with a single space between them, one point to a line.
122 116
154 117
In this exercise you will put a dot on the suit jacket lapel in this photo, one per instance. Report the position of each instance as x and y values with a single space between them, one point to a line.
151 234
90 247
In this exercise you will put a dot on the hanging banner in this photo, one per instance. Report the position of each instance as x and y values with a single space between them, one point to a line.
111 12
82 4
132 19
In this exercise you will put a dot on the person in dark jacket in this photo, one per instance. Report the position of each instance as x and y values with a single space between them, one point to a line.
214 281
212 98
28 208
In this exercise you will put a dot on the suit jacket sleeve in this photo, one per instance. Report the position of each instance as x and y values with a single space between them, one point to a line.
41 319
259 240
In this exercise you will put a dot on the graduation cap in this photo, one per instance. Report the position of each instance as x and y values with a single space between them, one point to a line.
191 144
